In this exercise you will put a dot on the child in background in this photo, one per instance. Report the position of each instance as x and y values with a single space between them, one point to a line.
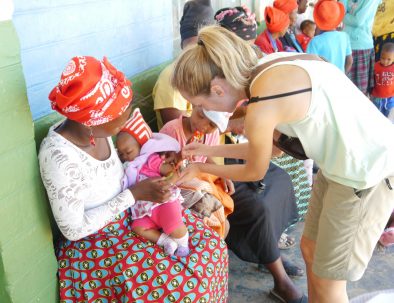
289 40
308 28
277 24
383 91
142 153
207 123
332 45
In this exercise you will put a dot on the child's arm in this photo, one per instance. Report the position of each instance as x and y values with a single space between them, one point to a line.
348 63
349 56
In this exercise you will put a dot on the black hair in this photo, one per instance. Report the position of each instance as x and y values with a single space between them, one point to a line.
304 24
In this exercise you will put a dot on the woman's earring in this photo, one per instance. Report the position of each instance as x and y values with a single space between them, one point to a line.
91 137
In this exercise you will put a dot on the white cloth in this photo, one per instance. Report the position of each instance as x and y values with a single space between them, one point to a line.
85 193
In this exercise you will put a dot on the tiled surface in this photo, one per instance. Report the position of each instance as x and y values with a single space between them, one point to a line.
247 284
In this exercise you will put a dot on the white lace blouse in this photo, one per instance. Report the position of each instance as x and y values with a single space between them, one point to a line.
85 193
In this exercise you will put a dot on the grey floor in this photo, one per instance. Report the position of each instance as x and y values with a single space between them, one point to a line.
247 284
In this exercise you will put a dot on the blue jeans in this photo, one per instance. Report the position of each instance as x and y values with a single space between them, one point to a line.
384 104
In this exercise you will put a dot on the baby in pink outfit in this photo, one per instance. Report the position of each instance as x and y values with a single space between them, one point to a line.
142 154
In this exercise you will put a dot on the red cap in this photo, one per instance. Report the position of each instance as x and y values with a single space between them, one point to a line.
286 6
275 19
328 14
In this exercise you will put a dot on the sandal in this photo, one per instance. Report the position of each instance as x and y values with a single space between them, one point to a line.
286 242
274 294
387 237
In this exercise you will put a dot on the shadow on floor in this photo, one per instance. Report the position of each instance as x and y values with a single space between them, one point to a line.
247 284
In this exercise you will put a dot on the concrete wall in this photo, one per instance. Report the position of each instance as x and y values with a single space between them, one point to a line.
135 35
27 261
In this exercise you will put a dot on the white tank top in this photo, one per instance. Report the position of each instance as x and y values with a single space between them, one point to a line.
343 132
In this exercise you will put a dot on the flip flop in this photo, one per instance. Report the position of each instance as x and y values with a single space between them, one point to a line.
274 294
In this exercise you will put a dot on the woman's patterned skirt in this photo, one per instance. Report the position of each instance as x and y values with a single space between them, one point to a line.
116 265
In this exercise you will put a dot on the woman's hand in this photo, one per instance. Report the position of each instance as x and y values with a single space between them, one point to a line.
189 173
195 149
236 126
228 185
154 190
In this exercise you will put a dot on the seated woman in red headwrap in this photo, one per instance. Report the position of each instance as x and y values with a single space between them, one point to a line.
100 258
277 25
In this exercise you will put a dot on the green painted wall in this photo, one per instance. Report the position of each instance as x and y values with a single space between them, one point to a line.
27 260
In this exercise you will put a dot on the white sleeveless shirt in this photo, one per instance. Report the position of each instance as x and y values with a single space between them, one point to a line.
343 132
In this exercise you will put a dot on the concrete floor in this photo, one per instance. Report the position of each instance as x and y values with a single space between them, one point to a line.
247 284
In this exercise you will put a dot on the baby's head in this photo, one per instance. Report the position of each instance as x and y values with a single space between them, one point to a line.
308 27
206 122
132 136
387 54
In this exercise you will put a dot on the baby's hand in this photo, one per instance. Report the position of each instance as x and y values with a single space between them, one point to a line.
172 158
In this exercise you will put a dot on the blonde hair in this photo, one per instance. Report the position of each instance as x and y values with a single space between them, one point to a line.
218 53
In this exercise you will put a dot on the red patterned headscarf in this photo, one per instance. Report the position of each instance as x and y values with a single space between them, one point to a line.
91 92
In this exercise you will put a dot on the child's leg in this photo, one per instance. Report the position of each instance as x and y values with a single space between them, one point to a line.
377 102
181 241
147 228
169 217
152 235
390 108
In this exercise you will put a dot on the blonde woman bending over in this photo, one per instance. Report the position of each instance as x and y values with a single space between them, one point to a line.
304 97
